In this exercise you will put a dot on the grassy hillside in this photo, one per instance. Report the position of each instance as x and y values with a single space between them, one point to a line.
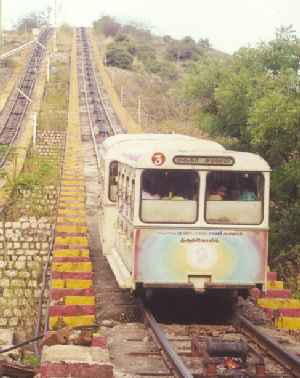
146 71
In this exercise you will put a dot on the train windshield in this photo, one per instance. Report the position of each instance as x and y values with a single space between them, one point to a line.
234 198
169 196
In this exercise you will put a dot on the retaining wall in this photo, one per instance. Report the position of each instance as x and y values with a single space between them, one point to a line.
50 143
23 251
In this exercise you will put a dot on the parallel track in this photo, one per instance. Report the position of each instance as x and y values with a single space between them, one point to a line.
18 109
97 117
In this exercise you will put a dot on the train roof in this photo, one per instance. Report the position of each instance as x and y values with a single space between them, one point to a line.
117 144
177 151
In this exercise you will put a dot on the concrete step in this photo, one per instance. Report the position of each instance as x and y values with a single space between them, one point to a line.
272 276
290 323
278 303
284 317
71 310
278 293
275 285
279 312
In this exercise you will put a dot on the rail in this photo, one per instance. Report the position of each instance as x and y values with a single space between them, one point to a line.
290 361
84 70
114 130
177 365
272 348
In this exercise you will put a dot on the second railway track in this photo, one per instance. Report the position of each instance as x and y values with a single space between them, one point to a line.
22 97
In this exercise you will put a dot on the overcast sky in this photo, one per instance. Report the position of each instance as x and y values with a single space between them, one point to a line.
229 24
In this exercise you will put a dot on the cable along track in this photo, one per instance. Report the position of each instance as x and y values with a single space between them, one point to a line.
99 115
22 97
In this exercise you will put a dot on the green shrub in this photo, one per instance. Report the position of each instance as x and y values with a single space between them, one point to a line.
121 37
108 26
119 57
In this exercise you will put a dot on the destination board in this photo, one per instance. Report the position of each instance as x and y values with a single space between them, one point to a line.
203 160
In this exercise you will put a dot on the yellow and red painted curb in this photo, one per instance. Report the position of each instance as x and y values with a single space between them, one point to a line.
279 305
72 300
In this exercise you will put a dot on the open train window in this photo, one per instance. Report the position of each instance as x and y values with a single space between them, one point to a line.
169 196
132 199
234 198
113 181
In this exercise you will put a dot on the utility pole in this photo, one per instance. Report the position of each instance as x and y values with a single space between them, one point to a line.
139 110
122 95
1 37
34 125
55 24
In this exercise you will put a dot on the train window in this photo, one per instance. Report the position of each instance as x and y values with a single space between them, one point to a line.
127 198
169 196
121 192
132 199
234 198
113 181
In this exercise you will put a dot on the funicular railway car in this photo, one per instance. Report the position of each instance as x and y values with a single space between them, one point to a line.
181 212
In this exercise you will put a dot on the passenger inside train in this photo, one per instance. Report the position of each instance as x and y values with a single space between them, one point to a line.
169 196
234 197
169 185
233 186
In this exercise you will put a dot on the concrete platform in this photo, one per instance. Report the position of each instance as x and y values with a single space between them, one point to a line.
61 361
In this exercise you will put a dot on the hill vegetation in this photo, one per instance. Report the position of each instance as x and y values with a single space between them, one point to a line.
143 65
249 101
253 103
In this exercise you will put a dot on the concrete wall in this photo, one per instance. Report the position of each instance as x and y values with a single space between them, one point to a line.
24 246
23 251
49 143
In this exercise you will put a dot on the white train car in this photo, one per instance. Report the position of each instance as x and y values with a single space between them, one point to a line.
181 212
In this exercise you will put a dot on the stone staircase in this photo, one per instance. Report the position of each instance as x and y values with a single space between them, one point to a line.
279 305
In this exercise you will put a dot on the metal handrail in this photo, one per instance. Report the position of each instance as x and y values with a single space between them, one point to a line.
16 50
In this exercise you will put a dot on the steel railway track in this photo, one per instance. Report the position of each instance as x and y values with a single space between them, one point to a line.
21 98
206 356
100 118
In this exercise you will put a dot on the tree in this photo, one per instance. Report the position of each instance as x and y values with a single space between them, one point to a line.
253 100
33 20
119 57
204 43
108 26
138 31
185 49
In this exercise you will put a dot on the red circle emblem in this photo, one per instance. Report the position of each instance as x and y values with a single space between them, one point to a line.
158 159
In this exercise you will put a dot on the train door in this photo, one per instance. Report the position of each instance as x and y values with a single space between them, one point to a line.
126 202
101 199
108 212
